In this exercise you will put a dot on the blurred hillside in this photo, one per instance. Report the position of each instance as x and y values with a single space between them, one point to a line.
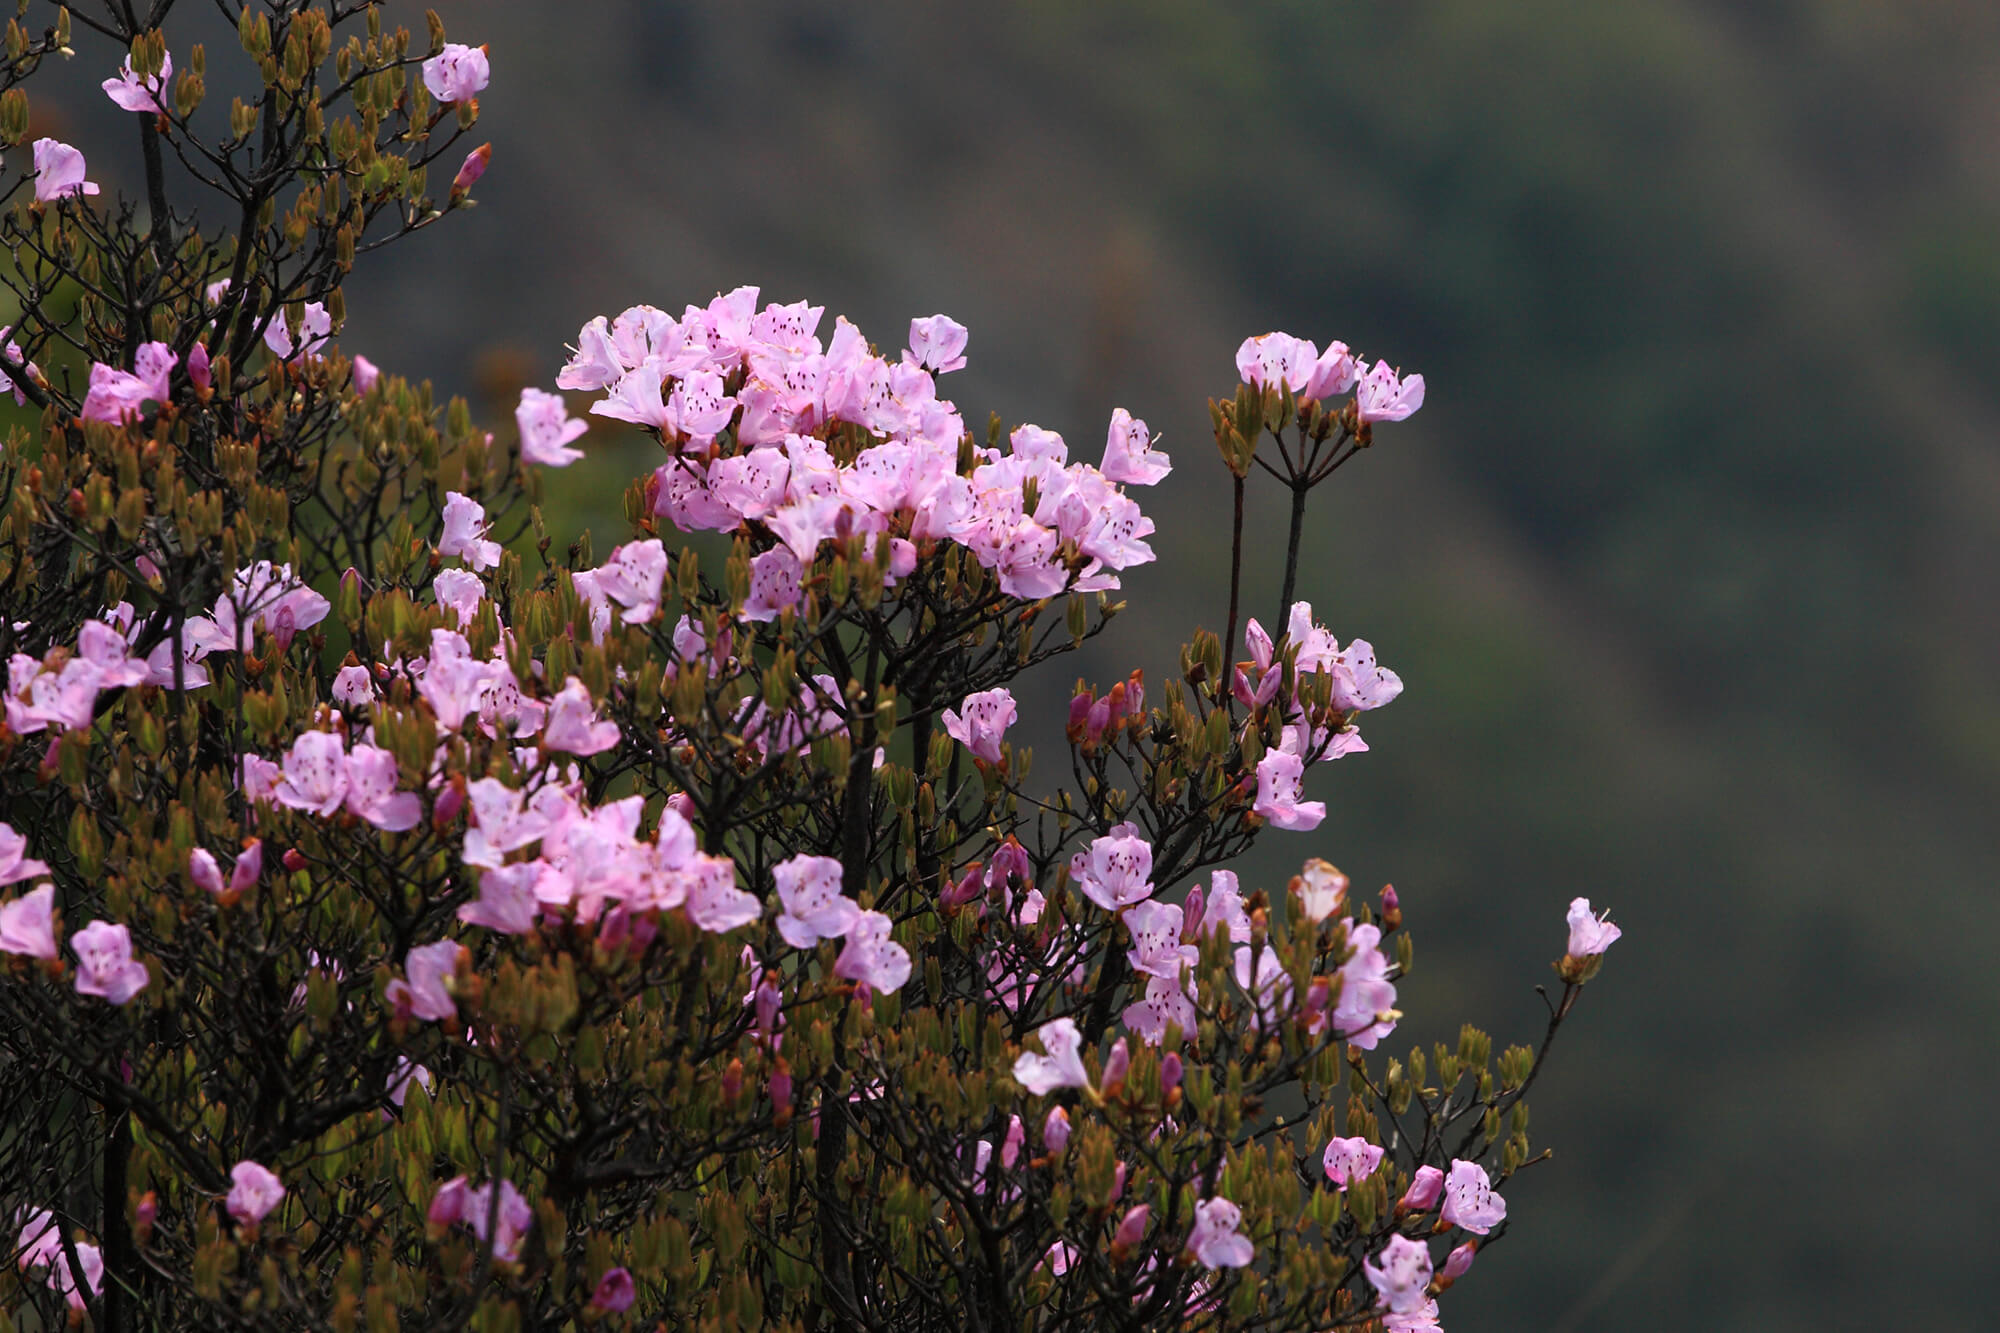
1690 562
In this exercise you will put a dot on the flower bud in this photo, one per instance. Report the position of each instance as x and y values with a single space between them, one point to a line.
471 170
615 1292
968 887
1055 1131
1132 1227
1191 912
204 871
1170 1075
1457 1264
1117 1184
449 802
1079 713
770 1003
732 1082
1425 1188
1392 908
1115 1065
1010 1147
781 1093
347 601
292 860
249 866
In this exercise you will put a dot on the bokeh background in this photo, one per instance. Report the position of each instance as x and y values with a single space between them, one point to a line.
1691 562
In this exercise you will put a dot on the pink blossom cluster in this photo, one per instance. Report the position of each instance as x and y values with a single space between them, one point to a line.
1402 1272
61 689
1380 393
40 1245
1358 684
754 408
505 1219
1357 1002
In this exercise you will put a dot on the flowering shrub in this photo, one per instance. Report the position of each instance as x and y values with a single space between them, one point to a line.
409 922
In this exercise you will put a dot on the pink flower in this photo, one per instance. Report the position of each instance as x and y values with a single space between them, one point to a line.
115 395
15 865
1470 1201
506 900
315 327
104 962
1400 1273
255 1192
1321 889
1129 456
1157 950
133 93
59 172
1366 1011
1216 1242
774 585
372 794
315 774
448 1204
402 1075
985 719
353 687
1359 683
40 1241
1166 1002
1264 979
698 407
814 910
1276 359
27 369
62 1279
465 532
713 901
547 428
633 578
937 343
1278 778
27 924
1381 396
366 372
425 995
1421 1319
1062 1067
1588 935
636 397
1060 1257
871 956
457 73
475 1209
573 726
1333 374
615 1292
1351 1161
1117 870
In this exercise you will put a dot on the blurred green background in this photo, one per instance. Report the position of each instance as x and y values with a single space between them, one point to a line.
1689 562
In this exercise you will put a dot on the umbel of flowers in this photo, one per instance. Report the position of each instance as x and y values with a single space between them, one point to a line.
409 921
